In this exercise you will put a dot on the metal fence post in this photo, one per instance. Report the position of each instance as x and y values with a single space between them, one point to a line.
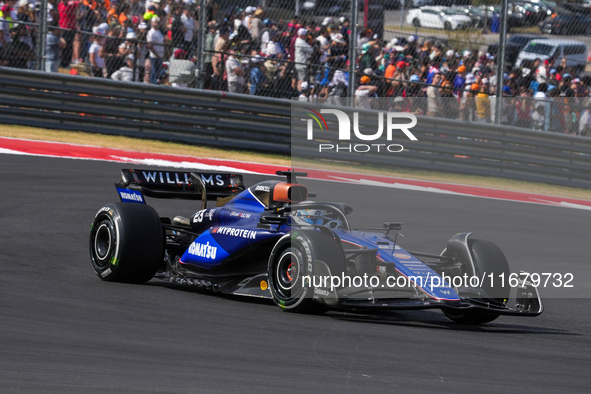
201 44
353 50
41 37
501 61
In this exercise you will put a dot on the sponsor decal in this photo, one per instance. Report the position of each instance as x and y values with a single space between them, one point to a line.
262 188
322 292
104 209
203 250
235 232
264 285
240 215
181 178
216 180
130 195
401 256
173 178
106 272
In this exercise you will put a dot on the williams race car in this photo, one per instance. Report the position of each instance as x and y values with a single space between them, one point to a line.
270 240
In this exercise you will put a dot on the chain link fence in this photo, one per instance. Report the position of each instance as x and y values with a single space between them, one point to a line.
449 51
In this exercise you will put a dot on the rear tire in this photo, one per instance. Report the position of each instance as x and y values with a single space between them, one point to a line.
447 26
416 23
126 242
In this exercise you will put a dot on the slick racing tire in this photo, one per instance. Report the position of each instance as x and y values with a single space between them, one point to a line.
126 242
488 259
293 258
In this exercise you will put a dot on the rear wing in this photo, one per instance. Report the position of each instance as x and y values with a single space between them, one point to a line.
171 184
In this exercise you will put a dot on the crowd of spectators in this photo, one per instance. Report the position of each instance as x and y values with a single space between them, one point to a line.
156 41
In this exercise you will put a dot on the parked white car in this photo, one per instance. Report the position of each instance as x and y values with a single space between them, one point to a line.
437 17
574 51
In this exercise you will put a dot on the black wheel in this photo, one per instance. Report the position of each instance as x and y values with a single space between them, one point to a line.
487 258
126 242
416 23
447 26
291 268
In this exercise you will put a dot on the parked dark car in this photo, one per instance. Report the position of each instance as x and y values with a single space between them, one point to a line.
567 24
514 18
536 11
581 6
479 16
515 44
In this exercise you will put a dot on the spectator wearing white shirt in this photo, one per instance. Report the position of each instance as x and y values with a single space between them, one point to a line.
182 71
307 93
155 40
128 72
97 62
303 53
188 21
235 73
248 17
272 47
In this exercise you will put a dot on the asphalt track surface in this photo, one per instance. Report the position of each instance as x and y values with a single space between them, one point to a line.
64 330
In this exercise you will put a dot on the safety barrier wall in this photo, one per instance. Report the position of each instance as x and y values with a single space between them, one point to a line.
259 124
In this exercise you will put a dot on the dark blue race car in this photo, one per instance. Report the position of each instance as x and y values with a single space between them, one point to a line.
269 240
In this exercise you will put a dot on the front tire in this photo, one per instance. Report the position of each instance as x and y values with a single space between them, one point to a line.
486 258
126 242
286 273
291 268
416 23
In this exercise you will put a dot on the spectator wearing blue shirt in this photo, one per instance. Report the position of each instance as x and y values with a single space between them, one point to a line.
433 69
55 44
460 79
257 76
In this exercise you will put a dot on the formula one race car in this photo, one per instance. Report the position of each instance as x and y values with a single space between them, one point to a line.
269 240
